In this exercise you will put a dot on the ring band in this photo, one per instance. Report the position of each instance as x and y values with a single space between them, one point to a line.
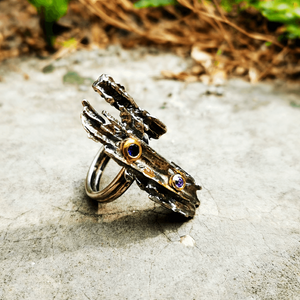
127 143
92 183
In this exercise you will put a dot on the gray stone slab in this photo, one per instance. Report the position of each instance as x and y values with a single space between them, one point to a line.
242 147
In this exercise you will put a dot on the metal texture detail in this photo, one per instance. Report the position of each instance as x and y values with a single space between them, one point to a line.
151 171
137 120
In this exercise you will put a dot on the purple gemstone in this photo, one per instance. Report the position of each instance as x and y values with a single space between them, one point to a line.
178 181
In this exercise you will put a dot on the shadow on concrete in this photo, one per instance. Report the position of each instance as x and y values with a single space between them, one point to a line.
84 228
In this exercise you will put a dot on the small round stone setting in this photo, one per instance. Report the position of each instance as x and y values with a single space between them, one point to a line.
178 181
133 150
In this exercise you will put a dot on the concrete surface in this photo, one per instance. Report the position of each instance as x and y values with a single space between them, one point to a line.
242 147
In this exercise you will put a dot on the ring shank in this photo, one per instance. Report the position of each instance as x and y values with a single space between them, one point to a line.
92 184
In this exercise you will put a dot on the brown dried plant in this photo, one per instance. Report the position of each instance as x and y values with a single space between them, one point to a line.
221 44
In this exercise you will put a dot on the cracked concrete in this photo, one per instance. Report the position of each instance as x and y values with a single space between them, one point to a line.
242 147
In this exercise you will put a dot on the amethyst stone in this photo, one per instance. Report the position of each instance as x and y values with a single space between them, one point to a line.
178 181
133 150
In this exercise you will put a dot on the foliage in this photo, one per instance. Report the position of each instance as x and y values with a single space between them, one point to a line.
153 3
283 11
286 12
50 11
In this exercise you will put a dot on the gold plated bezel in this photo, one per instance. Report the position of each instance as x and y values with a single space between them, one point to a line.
173 184
126 144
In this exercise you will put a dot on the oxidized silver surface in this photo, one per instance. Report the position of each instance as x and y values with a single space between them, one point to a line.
164 181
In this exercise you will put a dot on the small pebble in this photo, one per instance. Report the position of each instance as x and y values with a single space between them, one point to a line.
187 241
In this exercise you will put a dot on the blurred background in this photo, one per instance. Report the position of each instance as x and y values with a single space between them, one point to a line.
253 39
239 140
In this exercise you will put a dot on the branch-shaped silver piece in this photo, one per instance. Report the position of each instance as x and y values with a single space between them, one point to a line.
127 142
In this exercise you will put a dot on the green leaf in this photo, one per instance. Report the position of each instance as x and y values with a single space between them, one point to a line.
51 10
286 12
293 31
72 42
48 69
227 5
294 104
279 10
153 3
72 77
